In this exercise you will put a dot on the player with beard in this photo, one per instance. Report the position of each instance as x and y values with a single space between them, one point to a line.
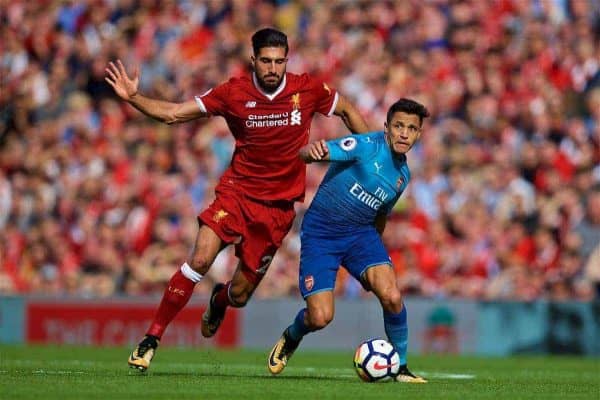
269 113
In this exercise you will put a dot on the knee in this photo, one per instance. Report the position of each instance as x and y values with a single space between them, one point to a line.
319 319
391 300
239 296
200 263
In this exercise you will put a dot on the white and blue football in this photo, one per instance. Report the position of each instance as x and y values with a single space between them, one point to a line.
376 360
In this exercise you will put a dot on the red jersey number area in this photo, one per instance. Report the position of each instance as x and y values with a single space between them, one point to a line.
269 130
256 228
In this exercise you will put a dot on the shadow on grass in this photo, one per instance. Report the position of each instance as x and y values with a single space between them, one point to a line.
219 374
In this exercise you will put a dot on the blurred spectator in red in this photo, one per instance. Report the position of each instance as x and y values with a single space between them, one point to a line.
504 201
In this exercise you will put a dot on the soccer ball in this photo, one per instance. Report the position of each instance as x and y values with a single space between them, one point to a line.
376 360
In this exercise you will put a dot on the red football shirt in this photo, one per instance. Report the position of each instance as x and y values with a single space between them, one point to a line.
269 130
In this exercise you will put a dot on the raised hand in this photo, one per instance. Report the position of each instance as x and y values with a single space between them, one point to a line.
124 86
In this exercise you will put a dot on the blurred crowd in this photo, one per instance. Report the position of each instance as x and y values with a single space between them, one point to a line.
98 200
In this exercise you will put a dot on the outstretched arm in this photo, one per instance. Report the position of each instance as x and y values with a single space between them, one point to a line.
315 151
351 117
164 111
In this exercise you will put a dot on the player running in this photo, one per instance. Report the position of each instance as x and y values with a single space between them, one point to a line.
269 113
343 226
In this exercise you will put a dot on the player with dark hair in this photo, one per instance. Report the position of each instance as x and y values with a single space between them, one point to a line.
343 226
269 114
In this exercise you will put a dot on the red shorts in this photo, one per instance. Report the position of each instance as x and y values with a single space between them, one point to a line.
256 227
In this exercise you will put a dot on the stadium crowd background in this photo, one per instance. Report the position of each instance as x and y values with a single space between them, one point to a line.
98 200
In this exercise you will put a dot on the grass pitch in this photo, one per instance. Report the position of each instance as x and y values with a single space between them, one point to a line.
47 373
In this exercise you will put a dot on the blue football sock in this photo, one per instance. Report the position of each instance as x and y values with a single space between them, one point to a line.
396 328
298 329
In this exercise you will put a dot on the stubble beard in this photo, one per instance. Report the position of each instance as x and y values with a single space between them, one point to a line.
269 87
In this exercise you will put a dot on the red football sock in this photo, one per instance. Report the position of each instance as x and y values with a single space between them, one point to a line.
178 292
222 297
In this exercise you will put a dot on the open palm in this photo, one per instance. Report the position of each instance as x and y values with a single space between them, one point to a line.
124 86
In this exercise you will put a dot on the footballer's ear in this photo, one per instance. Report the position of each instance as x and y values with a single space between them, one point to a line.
419 133
385 127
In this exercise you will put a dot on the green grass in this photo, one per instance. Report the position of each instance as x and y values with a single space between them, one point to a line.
45 373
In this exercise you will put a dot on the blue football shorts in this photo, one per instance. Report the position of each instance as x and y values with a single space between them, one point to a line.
321 256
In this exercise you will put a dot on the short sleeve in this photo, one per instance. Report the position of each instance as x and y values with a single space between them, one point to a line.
326 98
214 101
348 148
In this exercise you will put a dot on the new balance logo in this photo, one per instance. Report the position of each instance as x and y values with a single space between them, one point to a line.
251 104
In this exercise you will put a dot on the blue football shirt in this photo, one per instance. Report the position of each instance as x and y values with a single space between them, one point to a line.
364 178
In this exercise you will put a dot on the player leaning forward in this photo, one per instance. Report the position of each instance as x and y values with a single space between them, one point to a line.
343 226
269 113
